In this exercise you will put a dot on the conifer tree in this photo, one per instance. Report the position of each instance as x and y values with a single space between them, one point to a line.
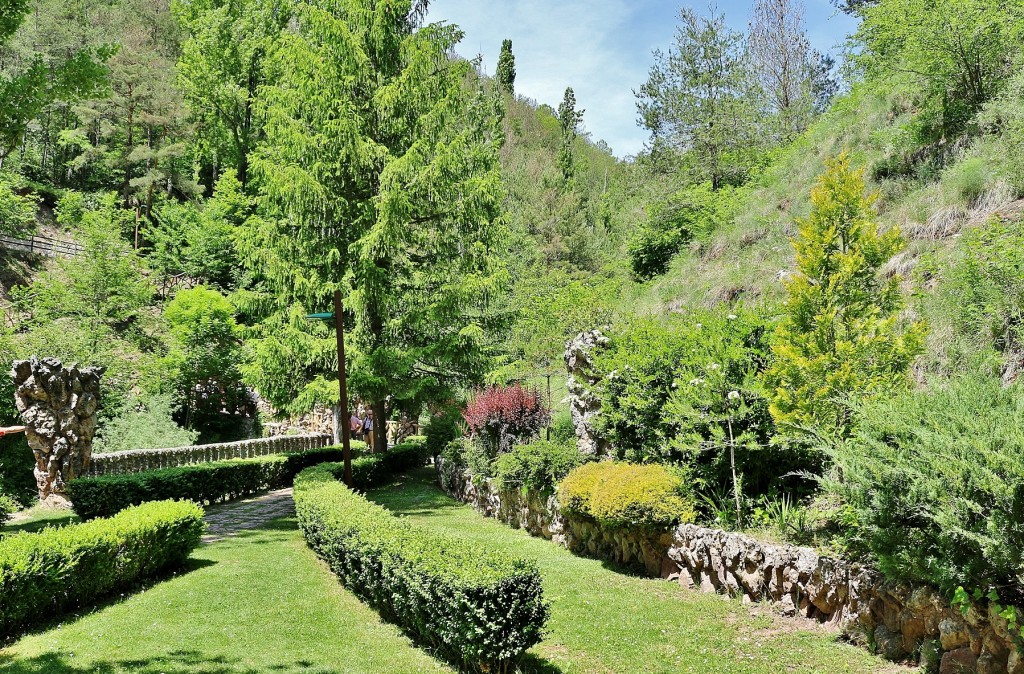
569 118
840 337
379 177
506 73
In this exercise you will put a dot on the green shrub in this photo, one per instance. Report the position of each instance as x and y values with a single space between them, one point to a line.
562 429
480 608
373 470
45 574
935 483
441 429
539 465
627 495
147 425
104 495
8 506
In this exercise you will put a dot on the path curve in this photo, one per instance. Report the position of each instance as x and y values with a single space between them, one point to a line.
227 519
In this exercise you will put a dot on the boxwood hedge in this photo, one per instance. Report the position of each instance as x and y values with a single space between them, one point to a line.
479 608
45 574
105 495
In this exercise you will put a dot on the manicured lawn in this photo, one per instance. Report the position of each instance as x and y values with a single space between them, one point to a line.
259 602
36 518
605 621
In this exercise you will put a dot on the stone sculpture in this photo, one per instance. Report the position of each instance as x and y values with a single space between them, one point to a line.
583 404
58 405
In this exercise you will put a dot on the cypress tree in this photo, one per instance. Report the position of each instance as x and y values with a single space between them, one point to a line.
506 73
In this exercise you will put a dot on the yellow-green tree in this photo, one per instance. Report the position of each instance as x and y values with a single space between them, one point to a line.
841 336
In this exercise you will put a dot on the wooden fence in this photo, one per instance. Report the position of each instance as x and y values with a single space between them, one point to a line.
41 245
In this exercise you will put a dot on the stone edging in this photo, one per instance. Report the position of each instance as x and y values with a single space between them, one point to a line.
139 460
897 620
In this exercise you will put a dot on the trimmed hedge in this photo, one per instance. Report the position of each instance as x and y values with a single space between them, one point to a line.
627 495
372 470
45 574
480 608
104 495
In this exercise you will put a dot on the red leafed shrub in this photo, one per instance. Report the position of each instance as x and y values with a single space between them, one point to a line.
498 415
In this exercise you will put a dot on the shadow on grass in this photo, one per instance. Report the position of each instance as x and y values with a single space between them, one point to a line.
122 594
34 525
178 662
414 493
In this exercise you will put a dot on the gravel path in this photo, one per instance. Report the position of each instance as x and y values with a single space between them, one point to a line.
227 519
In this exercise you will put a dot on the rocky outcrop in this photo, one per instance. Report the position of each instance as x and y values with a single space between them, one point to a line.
58 405
139 460
583 404
897 620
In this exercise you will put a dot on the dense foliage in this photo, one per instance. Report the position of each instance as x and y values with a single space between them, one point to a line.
538 466
500 415
482 609
618 494
841 336
933 480
46 574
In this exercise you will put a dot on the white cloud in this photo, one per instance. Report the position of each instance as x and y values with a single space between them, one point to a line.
563 44
600 48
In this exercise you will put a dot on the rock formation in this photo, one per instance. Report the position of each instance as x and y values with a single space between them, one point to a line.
58 405
583 404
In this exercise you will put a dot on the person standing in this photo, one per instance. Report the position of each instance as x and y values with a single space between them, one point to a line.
355 425
368 430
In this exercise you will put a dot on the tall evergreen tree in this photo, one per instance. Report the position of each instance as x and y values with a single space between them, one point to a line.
379 177
570 119
506 73
840 337
696 100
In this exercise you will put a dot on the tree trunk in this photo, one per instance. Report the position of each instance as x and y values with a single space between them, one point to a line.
380 426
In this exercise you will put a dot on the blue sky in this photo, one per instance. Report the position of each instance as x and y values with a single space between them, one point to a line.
601 48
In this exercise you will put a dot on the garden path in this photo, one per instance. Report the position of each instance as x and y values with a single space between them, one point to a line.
228 519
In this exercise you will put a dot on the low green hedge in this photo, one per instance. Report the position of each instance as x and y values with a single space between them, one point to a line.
105 495
45 574
627 495
480 608
539 465
372 470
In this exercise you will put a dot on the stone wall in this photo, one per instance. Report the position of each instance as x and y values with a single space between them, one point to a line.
139 460
899 621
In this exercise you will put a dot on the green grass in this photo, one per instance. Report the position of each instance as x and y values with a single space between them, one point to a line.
258 602
606 621
36 518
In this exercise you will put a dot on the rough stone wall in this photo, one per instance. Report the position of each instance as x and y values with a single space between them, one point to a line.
583 404
58 405
898 620
139 460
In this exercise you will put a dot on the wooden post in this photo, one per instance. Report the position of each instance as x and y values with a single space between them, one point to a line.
550 405
346 451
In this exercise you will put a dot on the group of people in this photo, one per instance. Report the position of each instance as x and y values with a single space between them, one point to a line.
360 426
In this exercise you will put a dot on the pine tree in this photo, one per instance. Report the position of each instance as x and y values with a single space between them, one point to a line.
570 119
506 73
840 337
380 177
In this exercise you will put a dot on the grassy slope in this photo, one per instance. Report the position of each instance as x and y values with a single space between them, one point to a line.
259 602
604 621
744 259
